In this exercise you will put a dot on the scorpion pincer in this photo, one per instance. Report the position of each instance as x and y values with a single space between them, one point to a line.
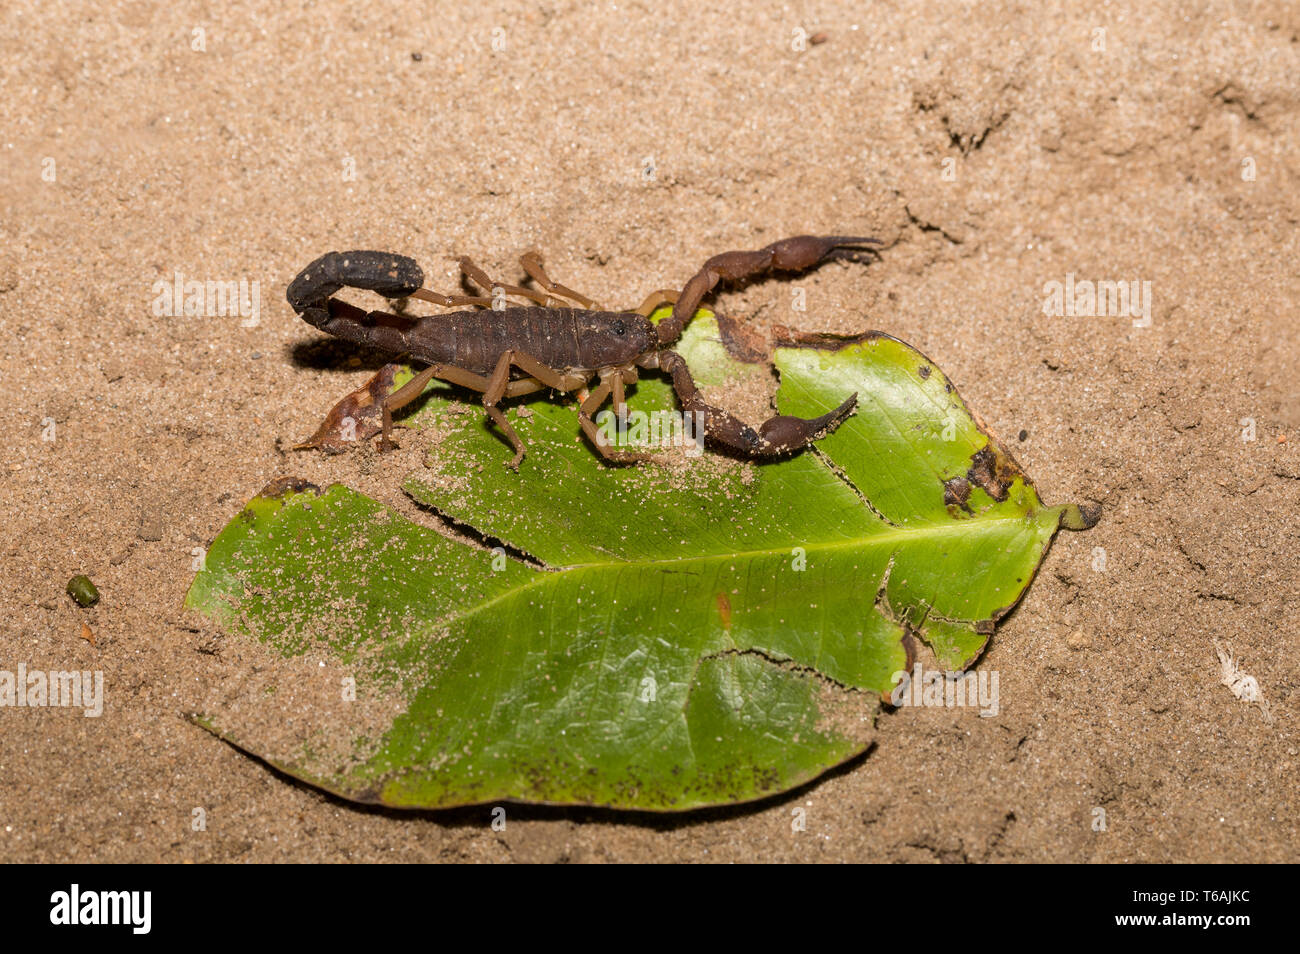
559 340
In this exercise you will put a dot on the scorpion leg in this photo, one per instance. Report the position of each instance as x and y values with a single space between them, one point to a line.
480 278
788 255
664 296
608 383
494 412
498 386
449 301
619 381
523 386
532 264
413 388
777 435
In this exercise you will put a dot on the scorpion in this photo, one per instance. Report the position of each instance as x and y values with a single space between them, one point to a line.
506 352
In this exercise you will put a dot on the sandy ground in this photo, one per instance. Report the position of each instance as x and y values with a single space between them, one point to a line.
994 147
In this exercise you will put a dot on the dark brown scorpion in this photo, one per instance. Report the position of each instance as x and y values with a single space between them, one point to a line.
551 344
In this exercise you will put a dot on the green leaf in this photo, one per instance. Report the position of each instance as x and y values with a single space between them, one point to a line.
690 632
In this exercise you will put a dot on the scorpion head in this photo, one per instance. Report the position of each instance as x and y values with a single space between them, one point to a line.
610 339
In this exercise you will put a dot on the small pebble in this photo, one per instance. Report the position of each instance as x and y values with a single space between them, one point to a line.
82 590
1078 640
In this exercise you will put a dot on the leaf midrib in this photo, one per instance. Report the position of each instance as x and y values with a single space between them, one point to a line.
545 577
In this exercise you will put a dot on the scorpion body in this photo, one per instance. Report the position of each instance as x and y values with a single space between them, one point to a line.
519 349
567 339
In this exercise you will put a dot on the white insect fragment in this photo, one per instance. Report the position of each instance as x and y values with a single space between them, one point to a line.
1244 687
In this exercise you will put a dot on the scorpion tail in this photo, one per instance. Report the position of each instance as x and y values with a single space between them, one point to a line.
393 276
375 329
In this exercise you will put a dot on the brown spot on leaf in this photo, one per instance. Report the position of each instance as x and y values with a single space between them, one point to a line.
1080 516
956 493
993 470
923 371
724 610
